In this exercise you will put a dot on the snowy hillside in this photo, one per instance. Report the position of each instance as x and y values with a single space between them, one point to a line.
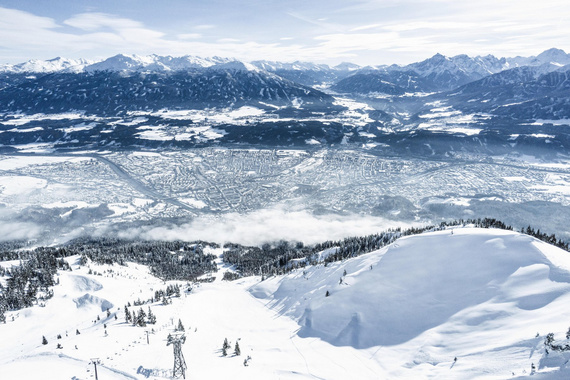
406 311
478 295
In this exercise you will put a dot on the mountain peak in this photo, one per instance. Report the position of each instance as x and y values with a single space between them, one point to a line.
555 56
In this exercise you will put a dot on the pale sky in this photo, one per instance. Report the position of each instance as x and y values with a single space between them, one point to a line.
367 32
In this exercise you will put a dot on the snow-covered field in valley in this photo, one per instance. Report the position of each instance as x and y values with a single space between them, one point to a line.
460 303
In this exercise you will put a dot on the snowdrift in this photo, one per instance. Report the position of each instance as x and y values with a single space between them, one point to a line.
89 300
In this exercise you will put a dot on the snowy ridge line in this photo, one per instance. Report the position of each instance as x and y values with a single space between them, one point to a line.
30 282
192 262
285 258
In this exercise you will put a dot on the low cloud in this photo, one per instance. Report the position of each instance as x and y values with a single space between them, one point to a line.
18 231
268 225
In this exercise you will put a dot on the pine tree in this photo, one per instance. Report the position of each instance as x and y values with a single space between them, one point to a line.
44 340
151 317
180 326
568 333
141 318
127 315
225 347
237 351
77 332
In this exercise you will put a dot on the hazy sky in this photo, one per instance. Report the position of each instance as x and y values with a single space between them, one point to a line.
328 31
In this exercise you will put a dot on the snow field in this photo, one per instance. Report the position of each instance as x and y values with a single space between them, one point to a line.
406 311
478 295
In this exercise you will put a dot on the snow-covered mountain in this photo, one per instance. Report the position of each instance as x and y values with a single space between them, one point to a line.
306 73
461 304
153 63
441 73
523 93
107 92
49 66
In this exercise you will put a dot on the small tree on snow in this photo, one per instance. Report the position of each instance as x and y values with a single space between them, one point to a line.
225 347
180 326
549 339
44 340
237 350
568 333
127 315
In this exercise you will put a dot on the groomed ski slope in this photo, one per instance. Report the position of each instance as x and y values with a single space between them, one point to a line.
406 311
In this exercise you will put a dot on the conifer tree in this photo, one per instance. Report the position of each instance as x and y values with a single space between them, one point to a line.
141 318
180 326
237 350
151 317
225 347
2 311
44 340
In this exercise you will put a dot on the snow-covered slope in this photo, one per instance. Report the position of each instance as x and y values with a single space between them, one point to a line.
406 311
478 295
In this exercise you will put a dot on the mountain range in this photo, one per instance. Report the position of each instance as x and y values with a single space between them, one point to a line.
281 81
294 103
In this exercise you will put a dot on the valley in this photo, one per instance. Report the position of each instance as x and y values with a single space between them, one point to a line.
335 222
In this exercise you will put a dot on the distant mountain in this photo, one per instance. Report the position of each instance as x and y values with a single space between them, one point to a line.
307 73
153 63
49 66
521 93
437 73
130 82
110 93
370 82
383 81
441 73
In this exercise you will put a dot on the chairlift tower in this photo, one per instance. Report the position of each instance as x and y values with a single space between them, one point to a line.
177 340
95 361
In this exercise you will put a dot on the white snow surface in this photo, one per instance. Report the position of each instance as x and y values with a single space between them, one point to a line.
405 311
